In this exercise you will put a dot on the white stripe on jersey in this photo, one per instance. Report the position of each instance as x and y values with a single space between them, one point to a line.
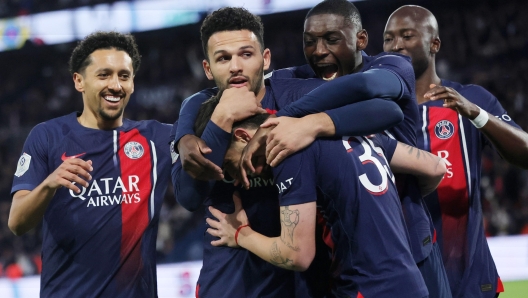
464 147
154 178
389 135
424 127
115 148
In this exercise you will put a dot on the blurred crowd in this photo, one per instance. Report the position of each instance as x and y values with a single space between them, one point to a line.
482 43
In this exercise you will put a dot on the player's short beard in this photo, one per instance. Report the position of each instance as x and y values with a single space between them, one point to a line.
105 116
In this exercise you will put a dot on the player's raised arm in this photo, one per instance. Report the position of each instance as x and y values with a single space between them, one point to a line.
28 207
427 167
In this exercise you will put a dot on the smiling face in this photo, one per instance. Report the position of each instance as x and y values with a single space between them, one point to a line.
236 60
106 84
333 45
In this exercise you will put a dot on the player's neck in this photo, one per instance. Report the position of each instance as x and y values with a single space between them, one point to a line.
261 93
424 81
90 120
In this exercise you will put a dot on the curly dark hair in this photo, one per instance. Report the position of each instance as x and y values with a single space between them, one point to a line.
80 57
231 19
338 7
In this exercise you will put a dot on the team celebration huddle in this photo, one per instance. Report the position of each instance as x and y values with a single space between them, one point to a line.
349 176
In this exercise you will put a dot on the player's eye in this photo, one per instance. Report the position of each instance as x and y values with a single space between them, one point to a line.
247 54
387 39
103 75
308 42
332 40
407 36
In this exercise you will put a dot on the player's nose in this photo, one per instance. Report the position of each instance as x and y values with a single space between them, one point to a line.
397 45
320 48
114 84
235 65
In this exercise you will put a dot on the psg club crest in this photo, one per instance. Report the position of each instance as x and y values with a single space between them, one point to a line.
444 129
134 150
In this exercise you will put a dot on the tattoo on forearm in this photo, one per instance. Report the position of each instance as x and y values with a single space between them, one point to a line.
277 259
419 152
289 220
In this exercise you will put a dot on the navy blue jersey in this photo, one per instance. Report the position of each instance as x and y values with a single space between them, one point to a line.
232 272
352 184
100 242
419 224
455 205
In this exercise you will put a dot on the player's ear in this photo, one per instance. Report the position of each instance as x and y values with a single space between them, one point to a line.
435 45
242 135
78 80
267 58
207 69
362 40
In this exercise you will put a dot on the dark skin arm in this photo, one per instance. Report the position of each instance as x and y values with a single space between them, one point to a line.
510 142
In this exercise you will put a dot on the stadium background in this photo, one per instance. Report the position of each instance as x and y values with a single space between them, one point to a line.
483 42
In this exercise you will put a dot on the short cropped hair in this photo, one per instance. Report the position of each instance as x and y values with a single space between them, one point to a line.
231 19
206 111
338 7
80 57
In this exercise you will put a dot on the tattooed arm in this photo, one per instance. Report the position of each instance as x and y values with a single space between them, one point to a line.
427 167
294 249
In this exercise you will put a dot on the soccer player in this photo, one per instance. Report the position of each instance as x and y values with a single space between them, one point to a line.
350 181
236 58
333 40
96 181
457 121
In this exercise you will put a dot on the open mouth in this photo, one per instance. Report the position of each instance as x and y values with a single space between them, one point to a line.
238 81
327 72
112 98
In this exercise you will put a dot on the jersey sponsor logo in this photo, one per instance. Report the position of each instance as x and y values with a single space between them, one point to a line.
110 191
254 182
23 164
174 155
133 150
64 157
282 186
444 129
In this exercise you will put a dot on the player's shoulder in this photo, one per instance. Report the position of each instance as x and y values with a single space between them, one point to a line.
151 126
474 93
301 72
385 58
56 124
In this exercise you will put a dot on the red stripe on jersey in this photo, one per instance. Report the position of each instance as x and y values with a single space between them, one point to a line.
500 286
136 168
452 192
327 232
197 290
359 295
271 112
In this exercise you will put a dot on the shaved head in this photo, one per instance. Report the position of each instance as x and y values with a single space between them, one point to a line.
413 31
418 15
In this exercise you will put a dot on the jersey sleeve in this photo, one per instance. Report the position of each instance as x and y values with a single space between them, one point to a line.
400 66
345 90
189 111
295 177
387 144
32 167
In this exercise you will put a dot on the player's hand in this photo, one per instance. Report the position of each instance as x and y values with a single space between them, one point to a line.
288 136
72 171
226 224
192 150
238 104
253 160
453 100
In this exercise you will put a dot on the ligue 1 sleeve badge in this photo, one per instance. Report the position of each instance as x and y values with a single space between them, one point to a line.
133 150
23 164
444 129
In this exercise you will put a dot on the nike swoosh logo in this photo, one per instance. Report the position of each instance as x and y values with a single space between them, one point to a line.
64 157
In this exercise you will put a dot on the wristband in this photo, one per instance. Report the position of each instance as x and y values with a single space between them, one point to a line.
481 119
238 231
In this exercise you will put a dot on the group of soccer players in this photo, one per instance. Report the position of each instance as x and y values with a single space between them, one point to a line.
351 207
